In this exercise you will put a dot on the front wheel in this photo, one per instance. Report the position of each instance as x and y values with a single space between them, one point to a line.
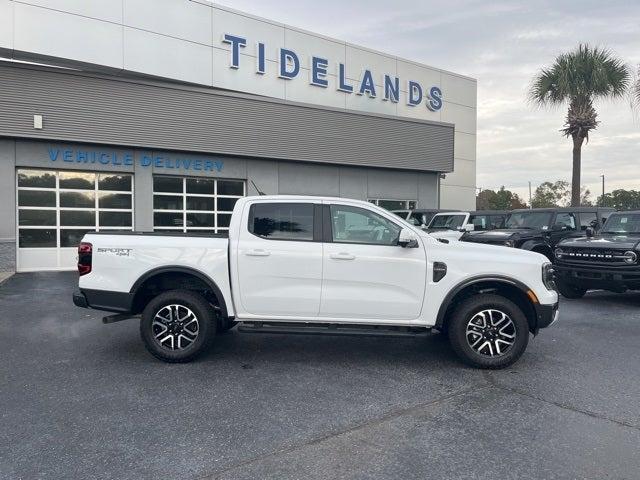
567 290
177 326
488 331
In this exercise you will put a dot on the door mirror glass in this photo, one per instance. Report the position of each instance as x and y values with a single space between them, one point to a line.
407 239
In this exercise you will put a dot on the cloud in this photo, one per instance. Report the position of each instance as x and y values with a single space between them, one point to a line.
502 44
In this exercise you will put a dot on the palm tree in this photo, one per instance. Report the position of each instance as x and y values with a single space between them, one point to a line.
578 78
636 87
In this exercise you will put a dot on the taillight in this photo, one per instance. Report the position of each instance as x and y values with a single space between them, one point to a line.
84 258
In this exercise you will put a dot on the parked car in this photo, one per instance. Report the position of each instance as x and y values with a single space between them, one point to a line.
540 229
297 264
452 225
607 261
419 217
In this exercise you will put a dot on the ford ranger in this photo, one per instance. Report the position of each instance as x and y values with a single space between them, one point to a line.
297 264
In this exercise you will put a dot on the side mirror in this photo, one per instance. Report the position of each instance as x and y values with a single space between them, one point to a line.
590 232
468 227
407 239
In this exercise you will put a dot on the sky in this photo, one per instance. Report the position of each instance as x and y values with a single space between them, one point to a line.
502 44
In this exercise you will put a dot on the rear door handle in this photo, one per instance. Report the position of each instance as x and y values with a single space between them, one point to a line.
257 253
342 256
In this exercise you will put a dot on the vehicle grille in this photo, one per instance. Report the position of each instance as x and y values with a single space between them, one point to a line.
591 256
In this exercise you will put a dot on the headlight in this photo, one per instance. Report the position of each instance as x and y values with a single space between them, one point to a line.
509 243
547 276
630 257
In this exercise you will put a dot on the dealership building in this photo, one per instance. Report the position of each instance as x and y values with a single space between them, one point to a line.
159 114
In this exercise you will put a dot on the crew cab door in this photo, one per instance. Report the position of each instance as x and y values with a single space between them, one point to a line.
279 259
366 274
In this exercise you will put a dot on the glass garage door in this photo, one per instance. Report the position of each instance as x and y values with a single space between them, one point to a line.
56 208
194 204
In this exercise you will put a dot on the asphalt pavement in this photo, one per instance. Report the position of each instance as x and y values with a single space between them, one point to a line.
79 399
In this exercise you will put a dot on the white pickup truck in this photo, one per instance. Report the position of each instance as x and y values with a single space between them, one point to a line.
297 264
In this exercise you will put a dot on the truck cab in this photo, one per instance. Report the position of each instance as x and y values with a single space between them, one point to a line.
452 225
297 264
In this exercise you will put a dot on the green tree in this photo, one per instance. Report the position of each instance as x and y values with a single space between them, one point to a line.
578 78
502 199
557 194
621 199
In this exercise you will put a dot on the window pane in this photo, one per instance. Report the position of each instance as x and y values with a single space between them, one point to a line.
114 200
167 219
115 219
167 202
224 220
392 204
77 199
200 185
81 180
199 219
167 184
283 221
37 238
226 204
226 187
357 225
36 178
114 182
36 218
566 221
200 203
588 219
33 198
71 238
74 218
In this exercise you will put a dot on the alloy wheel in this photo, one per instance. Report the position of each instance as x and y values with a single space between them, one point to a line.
175 327
491 333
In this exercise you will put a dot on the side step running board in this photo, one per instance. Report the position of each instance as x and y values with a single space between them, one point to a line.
118 317
332 329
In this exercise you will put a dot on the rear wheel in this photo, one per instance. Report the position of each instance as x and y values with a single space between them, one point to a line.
568 290
177 326
488 331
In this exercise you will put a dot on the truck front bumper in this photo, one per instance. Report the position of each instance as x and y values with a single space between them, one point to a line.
620 279
546 315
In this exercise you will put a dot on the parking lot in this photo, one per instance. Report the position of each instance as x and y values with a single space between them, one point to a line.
80 399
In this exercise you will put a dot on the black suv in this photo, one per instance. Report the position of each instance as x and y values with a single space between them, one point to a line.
608 260
540 229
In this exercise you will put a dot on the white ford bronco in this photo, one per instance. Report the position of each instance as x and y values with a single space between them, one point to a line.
297 264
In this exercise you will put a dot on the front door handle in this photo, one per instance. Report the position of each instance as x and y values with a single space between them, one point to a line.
257 253
342 256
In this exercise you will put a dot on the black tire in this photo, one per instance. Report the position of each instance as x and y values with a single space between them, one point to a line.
469 310
205 320
567 290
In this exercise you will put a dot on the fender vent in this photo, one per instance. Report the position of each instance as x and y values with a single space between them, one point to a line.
439 271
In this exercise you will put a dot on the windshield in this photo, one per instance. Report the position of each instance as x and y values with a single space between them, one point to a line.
622 223
530 220
450 222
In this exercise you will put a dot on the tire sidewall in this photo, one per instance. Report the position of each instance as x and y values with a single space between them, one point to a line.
201 309
466 311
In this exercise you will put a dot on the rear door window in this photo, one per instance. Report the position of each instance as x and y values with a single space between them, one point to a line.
282 221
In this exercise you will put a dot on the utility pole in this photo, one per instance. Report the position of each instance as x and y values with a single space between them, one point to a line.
603 202
530 206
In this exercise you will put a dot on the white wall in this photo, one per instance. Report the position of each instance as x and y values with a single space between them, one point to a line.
182 39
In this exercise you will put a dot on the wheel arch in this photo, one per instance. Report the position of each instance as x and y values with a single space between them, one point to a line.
539 246
180 273
512 289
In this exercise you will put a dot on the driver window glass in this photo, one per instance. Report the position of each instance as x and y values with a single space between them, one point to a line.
566 220
357 225
588 219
